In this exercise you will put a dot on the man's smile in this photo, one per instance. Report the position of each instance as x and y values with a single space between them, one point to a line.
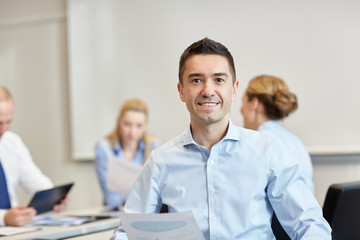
209 104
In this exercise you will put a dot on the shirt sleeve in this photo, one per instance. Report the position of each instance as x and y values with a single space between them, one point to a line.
292 200
31 177
111 198
2 217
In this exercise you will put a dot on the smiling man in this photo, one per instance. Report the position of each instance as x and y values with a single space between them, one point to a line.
231 178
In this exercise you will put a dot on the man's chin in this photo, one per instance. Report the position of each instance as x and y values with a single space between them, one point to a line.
210 120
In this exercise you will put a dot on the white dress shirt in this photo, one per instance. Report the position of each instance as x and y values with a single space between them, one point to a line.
19 169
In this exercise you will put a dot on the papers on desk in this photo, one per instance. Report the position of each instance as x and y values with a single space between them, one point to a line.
8 231
122 175
175 226
60 220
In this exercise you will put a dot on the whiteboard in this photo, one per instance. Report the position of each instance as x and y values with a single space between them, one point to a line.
125 49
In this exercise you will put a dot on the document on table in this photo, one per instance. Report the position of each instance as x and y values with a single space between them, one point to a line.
122 175
60 220
8 231
175 226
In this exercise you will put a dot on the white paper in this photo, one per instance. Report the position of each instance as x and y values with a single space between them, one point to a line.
8 231
60 220
122 175
174 226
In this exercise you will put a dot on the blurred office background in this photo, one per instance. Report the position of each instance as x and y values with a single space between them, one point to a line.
34 65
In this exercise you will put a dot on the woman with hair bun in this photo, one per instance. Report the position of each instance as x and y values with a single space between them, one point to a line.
267 100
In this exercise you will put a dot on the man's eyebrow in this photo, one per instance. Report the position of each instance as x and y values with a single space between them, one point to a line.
220 74
195 75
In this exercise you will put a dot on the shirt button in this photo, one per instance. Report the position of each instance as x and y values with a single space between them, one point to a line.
211 161
214 218
213 190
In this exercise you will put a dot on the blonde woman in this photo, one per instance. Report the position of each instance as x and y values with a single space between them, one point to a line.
267 100
128 142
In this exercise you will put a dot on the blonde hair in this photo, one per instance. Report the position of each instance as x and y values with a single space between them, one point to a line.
274 94
132 105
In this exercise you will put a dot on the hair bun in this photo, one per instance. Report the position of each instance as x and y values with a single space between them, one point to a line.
286 102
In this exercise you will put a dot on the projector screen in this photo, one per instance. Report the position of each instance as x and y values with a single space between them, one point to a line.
126 49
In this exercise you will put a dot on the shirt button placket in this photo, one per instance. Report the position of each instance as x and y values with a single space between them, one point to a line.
212 191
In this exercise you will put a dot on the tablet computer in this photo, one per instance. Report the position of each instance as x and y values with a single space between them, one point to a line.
45 200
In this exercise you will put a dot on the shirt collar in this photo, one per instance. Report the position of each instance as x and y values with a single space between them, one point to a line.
231 134
269 125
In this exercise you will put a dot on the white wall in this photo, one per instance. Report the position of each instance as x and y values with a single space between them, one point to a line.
123 49
34 66
337 168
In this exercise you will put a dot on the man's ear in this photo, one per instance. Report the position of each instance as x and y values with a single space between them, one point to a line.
235 89
181 92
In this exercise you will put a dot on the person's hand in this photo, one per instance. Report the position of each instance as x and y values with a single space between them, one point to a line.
20 215
62 205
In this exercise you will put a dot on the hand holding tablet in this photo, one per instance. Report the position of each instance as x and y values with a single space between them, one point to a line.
45 200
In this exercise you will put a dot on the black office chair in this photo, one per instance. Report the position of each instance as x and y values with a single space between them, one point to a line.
278 230
164 209
342 210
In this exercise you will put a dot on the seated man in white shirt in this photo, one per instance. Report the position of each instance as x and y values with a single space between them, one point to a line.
17 168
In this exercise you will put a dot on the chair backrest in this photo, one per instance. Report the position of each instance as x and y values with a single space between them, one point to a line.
342 210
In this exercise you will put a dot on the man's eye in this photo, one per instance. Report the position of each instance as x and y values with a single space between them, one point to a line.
196 80
219 80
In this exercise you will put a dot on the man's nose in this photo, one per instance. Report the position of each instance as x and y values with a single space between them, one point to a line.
208 88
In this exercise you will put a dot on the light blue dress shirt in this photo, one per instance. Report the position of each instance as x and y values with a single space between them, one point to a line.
233 189
103 151
295 146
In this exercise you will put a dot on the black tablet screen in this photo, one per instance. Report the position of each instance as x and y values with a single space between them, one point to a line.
45 200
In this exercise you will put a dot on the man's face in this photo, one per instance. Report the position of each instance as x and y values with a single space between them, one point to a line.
6 116
208 88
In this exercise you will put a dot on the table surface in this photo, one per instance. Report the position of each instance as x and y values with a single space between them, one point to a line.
94 236
99 229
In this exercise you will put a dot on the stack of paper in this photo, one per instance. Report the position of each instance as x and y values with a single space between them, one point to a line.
60 221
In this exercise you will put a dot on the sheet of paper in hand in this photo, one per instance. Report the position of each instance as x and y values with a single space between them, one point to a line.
176 226
122 175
